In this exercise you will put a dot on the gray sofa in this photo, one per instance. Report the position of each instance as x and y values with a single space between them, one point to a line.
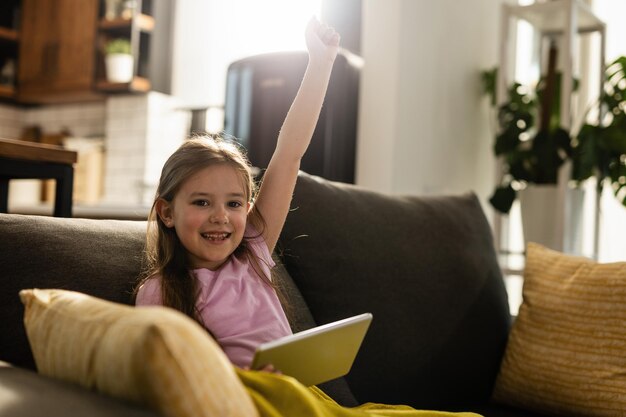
424 266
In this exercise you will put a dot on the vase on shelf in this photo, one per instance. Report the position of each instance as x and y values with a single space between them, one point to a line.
119 68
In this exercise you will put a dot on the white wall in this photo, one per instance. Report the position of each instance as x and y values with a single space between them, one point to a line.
424 125
379 96
190 58
211 34
613 214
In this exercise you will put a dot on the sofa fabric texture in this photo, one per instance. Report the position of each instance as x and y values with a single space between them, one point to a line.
101 258
425 267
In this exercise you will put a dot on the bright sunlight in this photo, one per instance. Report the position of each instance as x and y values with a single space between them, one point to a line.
241 28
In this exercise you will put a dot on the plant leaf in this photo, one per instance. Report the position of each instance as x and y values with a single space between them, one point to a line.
489 78
614 138
503 198
585 154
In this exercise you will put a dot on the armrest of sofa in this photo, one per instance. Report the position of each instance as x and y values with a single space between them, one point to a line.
25 393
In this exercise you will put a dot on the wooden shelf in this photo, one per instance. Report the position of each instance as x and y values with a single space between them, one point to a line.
7 92
137 85
550 17
144 22
138 30
8 35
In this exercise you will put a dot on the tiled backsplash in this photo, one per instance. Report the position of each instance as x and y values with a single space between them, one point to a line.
84 120
81 120
139 132
10 121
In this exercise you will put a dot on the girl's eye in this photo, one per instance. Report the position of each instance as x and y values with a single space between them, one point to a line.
201 203
235 204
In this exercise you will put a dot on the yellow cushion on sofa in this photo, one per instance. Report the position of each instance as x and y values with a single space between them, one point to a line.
566 352
151 355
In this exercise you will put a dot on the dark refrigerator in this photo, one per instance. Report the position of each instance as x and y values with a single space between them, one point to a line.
259 92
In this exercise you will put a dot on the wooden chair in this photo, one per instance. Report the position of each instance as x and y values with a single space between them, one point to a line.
28 160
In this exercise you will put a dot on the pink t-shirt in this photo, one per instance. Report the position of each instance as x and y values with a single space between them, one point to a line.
236 305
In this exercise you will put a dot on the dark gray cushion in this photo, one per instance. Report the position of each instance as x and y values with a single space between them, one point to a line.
497 410
427 270
298 313
97 257
300 318
24 393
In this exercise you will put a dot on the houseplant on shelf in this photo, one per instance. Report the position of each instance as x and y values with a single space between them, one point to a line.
118 60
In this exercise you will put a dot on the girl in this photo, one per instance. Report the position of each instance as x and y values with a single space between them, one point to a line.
210 241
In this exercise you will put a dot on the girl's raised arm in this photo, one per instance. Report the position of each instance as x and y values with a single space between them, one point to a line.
295 135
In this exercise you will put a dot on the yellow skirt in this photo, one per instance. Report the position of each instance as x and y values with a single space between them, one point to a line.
281 396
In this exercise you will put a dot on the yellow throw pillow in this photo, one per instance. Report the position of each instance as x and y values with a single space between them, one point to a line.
566 352
150 355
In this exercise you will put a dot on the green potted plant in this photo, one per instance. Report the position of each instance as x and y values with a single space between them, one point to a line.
530 138
601 148
118 60
533 153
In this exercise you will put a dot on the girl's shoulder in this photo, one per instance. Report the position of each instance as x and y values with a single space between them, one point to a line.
149 293
253 233
257 244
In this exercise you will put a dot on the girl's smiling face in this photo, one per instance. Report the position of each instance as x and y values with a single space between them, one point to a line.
209 214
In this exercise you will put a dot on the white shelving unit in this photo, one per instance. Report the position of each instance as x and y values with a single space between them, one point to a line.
562 21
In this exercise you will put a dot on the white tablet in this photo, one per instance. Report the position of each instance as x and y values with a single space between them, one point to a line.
316 355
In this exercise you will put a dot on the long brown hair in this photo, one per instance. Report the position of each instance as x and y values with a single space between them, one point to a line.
164 253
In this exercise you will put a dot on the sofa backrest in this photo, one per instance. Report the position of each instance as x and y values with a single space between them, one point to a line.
97 257
425 267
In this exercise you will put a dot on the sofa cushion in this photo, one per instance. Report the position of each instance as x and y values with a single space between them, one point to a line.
500 410
23 393
427 270
98 257
153 356
300 319
566 353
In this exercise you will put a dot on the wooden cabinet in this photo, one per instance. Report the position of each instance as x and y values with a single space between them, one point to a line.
53 50
57 51
9 41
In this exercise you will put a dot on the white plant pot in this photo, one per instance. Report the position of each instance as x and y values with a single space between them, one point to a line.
119 68
541 214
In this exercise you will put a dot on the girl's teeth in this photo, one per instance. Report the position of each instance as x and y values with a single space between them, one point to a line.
215 236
